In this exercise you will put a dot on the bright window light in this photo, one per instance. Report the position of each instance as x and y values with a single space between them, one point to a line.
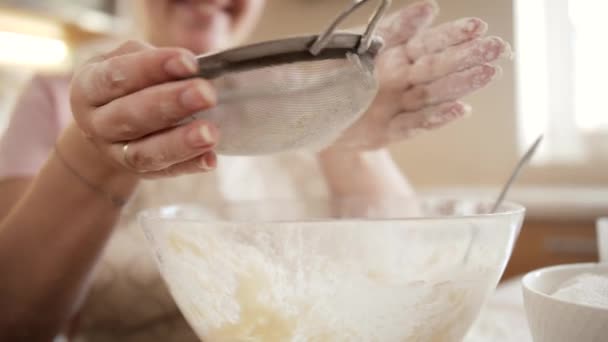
591 63
561 76
532 74
33 51
35 26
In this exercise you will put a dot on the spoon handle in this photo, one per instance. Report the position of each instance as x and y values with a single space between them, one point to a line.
503 193
522 162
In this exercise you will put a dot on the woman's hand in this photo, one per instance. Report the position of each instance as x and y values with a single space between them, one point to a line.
136 95
423 73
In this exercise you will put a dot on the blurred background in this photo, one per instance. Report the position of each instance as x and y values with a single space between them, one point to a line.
554 85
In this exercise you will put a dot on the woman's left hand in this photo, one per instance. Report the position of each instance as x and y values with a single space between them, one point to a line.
423 73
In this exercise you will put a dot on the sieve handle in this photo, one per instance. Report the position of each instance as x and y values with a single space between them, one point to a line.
367 37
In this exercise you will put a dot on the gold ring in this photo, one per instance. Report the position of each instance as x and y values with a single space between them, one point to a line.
125 160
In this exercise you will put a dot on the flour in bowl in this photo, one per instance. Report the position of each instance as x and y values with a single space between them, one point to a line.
330 282
588 289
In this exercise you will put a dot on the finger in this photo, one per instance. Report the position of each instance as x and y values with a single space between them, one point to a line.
160 151
204 163
406 125
458 58
445 35
99 83
449 88
405 23
127 47
150 110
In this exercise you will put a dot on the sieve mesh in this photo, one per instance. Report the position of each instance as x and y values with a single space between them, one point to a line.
306 104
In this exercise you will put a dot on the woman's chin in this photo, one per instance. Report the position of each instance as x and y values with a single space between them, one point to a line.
202 45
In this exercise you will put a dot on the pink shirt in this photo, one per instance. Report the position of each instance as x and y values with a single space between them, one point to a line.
39 116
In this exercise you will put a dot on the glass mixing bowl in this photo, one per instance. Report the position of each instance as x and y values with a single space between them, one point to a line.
401 270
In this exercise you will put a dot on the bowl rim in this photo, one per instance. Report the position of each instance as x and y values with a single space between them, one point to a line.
512 209
525 281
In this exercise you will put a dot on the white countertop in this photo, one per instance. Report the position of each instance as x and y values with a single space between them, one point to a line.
503 319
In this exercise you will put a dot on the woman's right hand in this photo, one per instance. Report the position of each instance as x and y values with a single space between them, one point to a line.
135 96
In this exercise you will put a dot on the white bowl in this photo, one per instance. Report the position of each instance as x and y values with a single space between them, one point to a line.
294 271
555 320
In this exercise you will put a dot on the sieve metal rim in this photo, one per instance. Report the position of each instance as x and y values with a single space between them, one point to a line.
282 51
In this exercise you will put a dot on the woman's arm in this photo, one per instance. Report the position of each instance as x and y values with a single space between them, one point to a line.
30 260
372 174
52 237
10 191
55 232
423 73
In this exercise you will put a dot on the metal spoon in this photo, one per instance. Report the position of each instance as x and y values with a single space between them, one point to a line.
522 162
505 189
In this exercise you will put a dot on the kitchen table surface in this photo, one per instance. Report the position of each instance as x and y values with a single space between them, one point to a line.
503 318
